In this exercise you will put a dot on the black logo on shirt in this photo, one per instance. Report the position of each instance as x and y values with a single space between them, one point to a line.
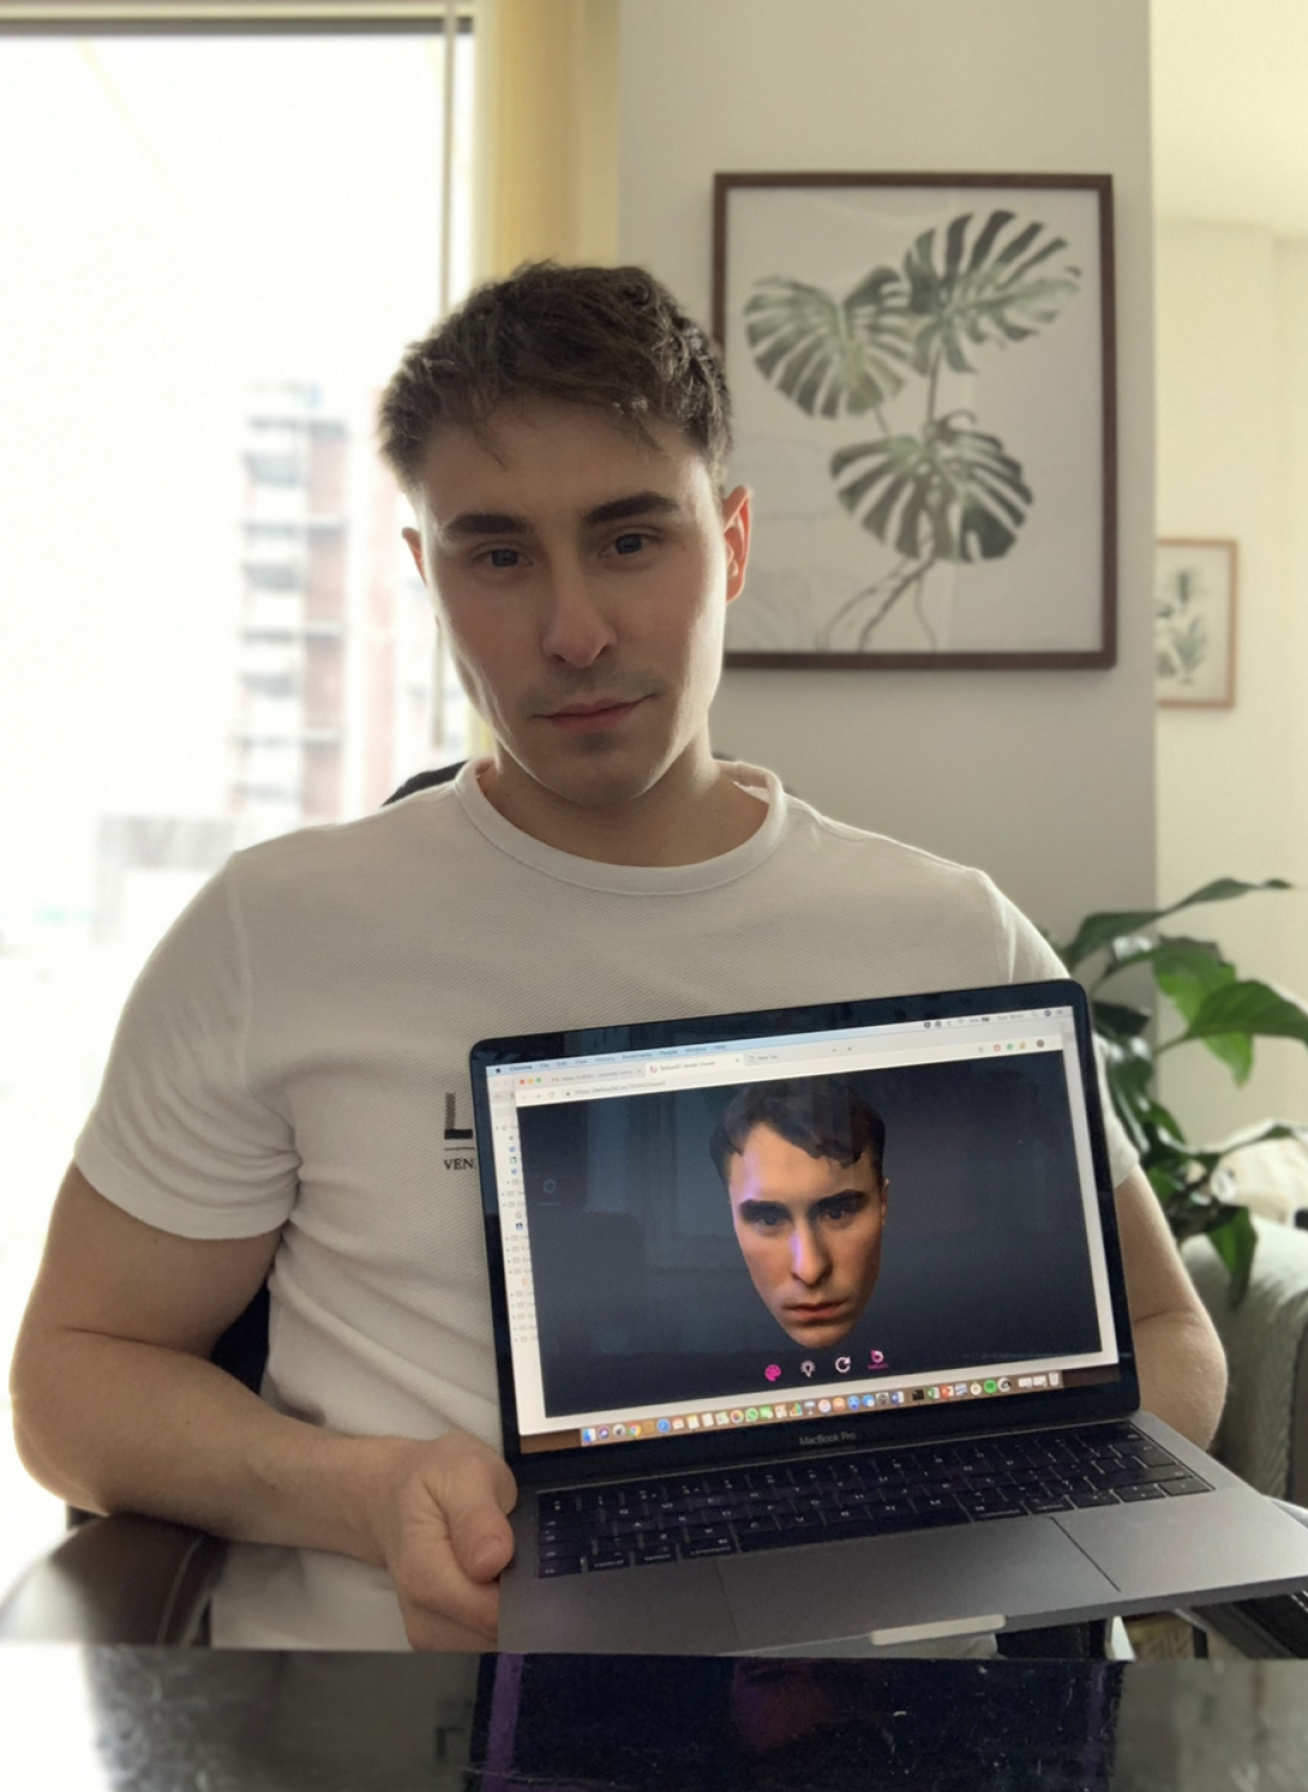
455 1138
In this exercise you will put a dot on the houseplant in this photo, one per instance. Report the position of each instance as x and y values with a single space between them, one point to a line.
1219 1010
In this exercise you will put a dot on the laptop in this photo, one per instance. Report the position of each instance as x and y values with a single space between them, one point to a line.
811 1330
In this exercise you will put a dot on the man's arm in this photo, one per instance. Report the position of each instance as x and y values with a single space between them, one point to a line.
116 1408
1180 1359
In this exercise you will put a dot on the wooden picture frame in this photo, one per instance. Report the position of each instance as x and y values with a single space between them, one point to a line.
1195 591
923 377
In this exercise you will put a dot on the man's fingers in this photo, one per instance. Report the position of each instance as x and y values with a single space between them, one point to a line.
446 1540
475 1499
436 1589
443 1608
481 1540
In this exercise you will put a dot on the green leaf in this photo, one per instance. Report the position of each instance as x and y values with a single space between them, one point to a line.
830 357
1235 1051
951 493
1185 1197
997 290
1224 889
1252 1009
1128 1059
1116 1020
1129 1070
1187 971
1127 949
1162 1182
1101 929
1235 1242
1162 1124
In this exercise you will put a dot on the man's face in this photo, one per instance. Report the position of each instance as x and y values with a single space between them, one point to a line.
810 1232
575 566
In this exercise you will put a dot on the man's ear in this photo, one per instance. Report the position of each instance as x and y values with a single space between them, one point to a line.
885 1195
735 532
414 541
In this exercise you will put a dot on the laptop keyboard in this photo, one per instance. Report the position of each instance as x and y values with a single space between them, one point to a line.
722 1512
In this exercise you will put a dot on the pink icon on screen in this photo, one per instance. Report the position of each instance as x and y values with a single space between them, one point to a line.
773 1372
876 1358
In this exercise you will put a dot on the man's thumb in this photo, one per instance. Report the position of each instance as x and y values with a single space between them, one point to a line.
479 1532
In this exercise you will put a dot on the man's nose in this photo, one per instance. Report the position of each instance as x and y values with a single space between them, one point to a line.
809 1262
575 628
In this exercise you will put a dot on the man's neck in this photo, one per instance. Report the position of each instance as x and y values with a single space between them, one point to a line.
682 820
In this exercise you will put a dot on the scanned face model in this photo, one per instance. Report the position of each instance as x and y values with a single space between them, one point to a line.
809 1229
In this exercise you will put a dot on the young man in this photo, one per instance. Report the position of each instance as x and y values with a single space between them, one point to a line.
276 1091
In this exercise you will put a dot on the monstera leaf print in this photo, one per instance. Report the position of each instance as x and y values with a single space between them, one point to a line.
933 487
831 357
995 286
949 494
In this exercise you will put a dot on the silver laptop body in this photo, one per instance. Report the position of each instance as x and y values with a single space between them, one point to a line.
652 1396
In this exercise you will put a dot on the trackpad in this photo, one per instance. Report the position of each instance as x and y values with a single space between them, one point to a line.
1023 1568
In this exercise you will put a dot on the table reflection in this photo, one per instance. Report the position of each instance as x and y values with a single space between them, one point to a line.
106 1719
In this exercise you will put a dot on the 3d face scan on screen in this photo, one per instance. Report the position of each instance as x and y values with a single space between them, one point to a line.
801 1161
694 1241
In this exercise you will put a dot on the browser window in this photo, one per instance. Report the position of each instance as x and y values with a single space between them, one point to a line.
656 1288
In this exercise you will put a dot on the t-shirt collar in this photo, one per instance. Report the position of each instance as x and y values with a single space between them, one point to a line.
635 880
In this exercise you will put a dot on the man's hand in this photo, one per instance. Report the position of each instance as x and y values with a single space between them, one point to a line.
438 1519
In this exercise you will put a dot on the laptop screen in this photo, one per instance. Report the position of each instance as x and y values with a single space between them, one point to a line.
795 1217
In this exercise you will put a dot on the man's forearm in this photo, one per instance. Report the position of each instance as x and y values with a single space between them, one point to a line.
1182 1371
112 1425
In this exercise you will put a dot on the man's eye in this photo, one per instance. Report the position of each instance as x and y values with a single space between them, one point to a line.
767 1219
502 558
631 543
844 1208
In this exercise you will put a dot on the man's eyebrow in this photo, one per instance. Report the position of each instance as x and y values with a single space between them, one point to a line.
617 510
768 1200
472 523
483 522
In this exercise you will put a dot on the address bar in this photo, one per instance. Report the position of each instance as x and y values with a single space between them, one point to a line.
706 1072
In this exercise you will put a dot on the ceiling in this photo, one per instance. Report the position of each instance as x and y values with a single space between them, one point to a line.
1230 87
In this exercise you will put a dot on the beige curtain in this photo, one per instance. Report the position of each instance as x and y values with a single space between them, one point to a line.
548 127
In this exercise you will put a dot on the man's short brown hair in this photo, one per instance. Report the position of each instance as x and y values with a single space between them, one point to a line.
612 338
825 1116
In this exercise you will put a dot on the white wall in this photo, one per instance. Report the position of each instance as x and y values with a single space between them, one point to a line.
1233 461
1045 778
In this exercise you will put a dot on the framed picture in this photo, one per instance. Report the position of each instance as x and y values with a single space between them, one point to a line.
922 371
1194 624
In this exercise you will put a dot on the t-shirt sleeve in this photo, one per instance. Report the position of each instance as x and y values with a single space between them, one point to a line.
176 1137
1029 958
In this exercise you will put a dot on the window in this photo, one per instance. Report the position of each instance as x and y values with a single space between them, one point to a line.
221 243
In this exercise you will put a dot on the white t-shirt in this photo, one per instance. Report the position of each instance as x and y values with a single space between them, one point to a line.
295 1054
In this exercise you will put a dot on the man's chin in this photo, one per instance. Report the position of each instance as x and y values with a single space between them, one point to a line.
594 773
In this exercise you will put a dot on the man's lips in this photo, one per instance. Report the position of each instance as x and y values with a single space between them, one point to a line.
591 717
591 709
824 1310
